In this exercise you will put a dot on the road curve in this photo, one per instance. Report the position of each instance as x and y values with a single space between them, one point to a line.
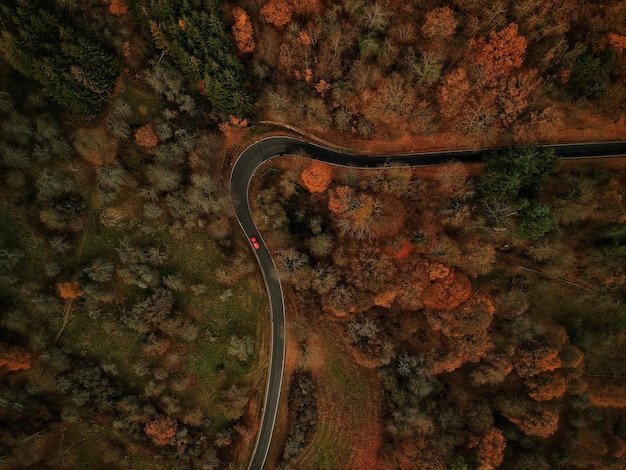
265 149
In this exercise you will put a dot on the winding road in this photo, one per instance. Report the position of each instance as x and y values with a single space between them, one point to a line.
265 149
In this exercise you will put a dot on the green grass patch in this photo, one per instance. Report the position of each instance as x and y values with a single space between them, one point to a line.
145 107
329 450
345 392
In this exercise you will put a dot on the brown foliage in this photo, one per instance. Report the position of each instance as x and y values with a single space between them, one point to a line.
161 430
541 420
607 395
69 290
338 199
242 30
14 357
546 386
118 8
447 288
453 92
146 137
277 12
386 298
500 54
440 23
618 42
317 176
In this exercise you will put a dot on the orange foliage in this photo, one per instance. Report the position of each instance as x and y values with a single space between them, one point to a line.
385 299
465 329
512 100
453 92
242 30
118 8
471 317
338 199
146 137
540 359
460 350
440 23
69 290
607 395
322 87
500 55
161 430
362 215
317 176
618 42
404 251
277 12
14 358
447 288
490 448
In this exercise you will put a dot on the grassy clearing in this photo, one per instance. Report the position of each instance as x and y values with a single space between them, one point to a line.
219 311
145 107
344 397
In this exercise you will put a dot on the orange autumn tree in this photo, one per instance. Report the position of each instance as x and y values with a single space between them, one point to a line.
489 449
317 176
69 290
440 23
500 54
161 430
242 30
277 12
453 92
447 288
118 8
146 137
14 357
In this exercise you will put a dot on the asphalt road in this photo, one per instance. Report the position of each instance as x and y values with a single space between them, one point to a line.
271 147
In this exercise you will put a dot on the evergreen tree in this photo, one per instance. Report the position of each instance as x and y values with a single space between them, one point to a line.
72 65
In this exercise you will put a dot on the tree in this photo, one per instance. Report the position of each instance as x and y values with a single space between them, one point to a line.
161 430
14 358
516 174
440 24
447 288
241 348
317 176
277 12
537 220
499 55
453 92
592 74
242 30
70 62
146 137
118 8
490 449
69 290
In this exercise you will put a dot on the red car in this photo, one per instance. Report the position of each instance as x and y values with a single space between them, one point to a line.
255 243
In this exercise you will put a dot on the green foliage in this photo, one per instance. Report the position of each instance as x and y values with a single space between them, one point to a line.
195 36
515 174
614 241
72 65
592 74
537 220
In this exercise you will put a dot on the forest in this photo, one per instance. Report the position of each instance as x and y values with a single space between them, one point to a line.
462 316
